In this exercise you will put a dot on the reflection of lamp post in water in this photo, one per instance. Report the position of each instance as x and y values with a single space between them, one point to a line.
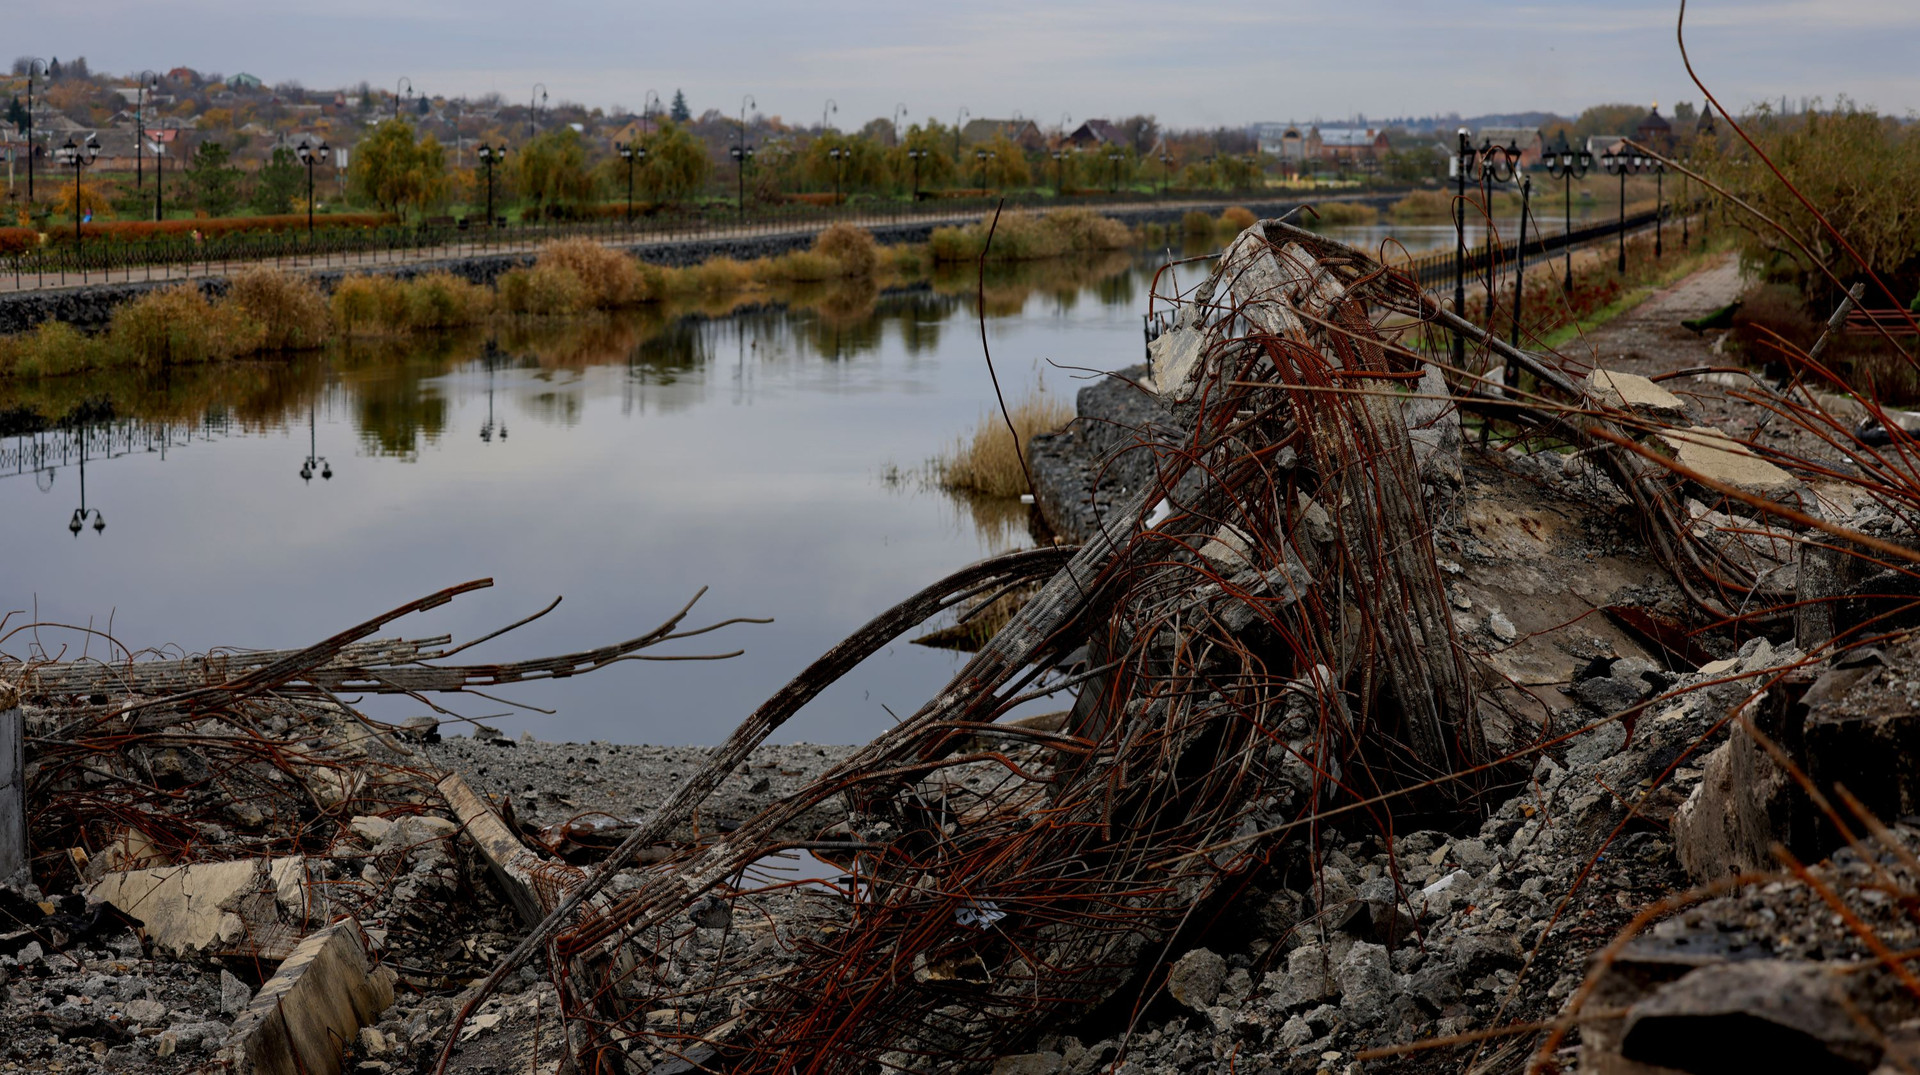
487 431
81 513
314 461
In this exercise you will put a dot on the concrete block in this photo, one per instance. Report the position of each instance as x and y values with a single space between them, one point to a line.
188 908
303 1018
1714 455
1633 393
13 784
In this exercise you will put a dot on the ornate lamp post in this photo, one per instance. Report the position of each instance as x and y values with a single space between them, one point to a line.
899 113
78 520
147 79
838 155
916 155
959 118
159 170
1488 163
1567 164
1618 162
1114 157
310 156
1166 166
536 100
1659 170
742 152
403 80
633 153
79 157
980 157
831 108
314 461
32 62
1059 172
490 157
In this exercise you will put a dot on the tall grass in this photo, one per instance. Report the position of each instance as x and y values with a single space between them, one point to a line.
370 305
849 247
1236 219
611 279
988 462
290 310
1343 214
178 324
1029 237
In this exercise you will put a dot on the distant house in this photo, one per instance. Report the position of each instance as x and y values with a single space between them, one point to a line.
244 81
1350 145
1098 132
1282 141
1602 144
1527 139
184 74
1021 132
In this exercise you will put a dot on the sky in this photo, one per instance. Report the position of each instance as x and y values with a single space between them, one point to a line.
1190 64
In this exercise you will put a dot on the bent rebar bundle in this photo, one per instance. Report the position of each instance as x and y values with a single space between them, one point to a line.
1253 616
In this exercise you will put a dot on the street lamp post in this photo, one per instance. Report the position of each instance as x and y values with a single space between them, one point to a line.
899 113
838 155
742 152
1485 165
1166 165
314 462
31 62
159 170
1622 164
146 78
490 156
1659 169
959 118
536 100
633 153
79 157
1568 164
1059 173
831 108
1520 267
78 520
980 160
310 156
1114 157
396 93
916 155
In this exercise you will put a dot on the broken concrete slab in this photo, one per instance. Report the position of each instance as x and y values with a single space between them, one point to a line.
1632 393
187 908
1716 456
304 1016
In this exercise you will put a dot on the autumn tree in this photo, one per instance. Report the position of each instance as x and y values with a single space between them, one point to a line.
394 170
935 166
860 163
552 169
999 163
680 113
677 164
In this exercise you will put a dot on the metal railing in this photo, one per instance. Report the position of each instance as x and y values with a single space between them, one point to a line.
1436 268
63 261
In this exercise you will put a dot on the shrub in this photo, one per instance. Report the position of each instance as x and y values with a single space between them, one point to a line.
989 461
798 266
852 247
1236 220
1196 222
717 275
370 305
1344 214
212 227
443 300
1424 205
177 324
1770 314
546 290
908 259
53 349
290 310
609 278
16 240
1028 237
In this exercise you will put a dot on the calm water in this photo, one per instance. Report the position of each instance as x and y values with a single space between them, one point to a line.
767 453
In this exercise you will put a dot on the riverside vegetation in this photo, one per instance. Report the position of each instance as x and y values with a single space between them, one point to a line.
267 311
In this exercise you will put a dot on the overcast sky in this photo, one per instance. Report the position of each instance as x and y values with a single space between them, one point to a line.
1191 64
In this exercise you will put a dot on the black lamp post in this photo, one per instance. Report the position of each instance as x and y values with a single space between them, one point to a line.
1659 169
159 170
31 63
78 520
1114 157
147 79
314 461
633 153
742 152
1059 172
980 159
1520 263
1166 166
916 155
1567 164
838 155
396 93
1621 163
1489 162
310 156
959 118
491 157
79 157
536 100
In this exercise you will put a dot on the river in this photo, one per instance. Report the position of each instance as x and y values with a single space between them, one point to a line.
774 454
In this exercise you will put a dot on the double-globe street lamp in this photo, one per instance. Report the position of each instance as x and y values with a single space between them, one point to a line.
633 153
1567 164
1622 162
981 157
146 80
742 152
916 155
1060 170
1114 157
310 156
838 155
32 62
1486 165
79 157
491 157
